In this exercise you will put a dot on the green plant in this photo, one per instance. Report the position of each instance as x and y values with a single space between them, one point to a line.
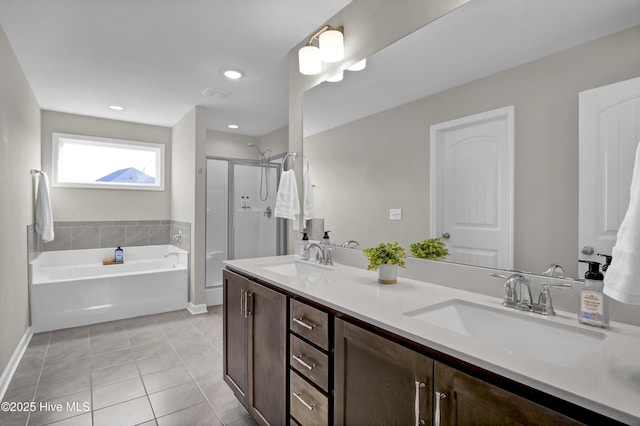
433 249
389 253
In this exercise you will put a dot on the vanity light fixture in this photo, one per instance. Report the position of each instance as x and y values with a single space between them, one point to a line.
358 66
336 77
116 107
330 49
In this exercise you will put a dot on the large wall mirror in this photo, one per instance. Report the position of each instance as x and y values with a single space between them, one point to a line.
367 138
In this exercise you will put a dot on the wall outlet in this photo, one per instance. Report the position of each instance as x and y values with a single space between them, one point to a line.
395 214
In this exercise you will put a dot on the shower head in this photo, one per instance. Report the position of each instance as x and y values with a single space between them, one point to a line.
262 153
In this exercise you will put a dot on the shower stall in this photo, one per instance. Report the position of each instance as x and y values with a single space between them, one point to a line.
240 224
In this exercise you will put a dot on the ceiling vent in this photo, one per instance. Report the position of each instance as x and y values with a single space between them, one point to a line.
215 93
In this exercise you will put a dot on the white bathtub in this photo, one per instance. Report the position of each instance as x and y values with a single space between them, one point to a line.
70 288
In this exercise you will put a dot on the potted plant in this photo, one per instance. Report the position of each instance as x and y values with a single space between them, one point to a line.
386 257
432 249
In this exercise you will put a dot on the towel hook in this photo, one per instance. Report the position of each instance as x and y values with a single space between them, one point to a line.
293 156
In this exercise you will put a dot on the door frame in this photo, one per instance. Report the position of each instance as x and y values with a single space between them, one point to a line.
435 168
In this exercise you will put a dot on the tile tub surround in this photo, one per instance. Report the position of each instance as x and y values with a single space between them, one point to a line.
163 369
105 234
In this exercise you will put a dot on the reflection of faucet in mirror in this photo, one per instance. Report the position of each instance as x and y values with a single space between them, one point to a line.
554 269
351 244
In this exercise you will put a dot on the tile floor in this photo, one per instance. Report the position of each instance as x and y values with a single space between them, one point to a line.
163 369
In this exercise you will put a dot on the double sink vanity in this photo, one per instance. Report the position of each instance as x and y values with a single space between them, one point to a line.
311 344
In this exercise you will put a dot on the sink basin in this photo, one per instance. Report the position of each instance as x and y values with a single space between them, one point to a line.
515 333
296 268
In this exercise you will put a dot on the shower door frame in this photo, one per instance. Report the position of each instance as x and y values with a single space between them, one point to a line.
281 229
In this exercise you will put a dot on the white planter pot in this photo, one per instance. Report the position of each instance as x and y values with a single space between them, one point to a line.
388 274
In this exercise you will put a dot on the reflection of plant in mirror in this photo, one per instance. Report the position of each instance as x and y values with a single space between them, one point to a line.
433 249
389 253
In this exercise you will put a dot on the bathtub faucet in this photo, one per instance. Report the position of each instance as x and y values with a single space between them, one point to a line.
177 254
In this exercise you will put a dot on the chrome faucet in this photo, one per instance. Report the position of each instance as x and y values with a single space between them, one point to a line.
323 253
177 254
517 294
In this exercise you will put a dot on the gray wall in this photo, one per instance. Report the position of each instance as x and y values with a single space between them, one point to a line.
385 157
80 204
19 153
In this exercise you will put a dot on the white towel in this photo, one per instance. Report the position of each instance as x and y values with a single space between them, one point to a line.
44 215
622 279
309 203
287 201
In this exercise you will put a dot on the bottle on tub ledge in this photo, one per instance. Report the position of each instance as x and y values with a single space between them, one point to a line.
594 305
119 255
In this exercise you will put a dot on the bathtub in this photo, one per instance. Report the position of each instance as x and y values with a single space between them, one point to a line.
70 288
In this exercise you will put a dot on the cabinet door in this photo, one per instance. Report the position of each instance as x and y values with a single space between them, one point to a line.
379 382
470 401
268 354
236 349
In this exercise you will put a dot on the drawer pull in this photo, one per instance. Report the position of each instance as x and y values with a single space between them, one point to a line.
298 396
303 363
300 321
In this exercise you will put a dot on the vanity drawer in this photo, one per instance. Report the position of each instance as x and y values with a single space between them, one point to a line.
309 362
308 405
310 323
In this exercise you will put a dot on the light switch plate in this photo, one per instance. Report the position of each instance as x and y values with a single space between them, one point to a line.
395 214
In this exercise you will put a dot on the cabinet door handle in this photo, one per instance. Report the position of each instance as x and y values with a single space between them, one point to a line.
300 321
439 396
298 396
243 302
247 311
303 363
419 385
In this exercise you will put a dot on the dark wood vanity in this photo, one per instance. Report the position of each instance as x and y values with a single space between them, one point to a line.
290 360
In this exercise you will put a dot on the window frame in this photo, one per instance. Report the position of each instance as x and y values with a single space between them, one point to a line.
58 138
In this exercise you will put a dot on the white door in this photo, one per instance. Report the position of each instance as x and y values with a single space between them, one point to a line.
609 134
472 188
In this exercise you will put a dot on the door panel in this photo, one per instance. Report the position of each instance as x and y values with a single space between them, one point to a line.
472 188
609 134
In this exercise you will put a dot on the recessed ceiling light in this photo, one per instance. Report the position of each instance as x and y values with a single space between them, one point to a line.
233 74
233 126
116 107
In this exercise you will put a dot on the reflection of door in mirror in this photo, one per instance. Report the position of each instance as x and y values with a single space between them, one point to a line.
609 135
472 188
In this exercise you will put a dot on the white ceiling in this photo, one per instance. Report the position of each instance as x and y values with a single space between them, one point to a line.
155 57
478 39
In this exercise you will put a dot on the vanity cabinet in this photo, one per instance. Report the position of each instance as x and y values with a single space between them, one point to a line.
255 347
310 360
463 400
379 382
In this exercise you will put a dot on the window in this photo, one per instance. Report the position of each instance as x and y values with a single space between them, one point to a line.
93 162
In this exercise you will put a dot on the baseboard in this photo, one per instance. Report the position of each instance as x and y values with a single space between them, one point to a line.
197 309
14 361
213 296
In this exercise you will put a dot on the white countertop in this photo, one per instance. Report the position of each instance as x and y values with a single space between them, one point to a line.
607 381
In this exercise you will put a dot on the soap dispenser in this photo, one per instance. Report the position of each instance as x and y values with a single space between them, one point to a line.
607 261
302 249
325 240
594 305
